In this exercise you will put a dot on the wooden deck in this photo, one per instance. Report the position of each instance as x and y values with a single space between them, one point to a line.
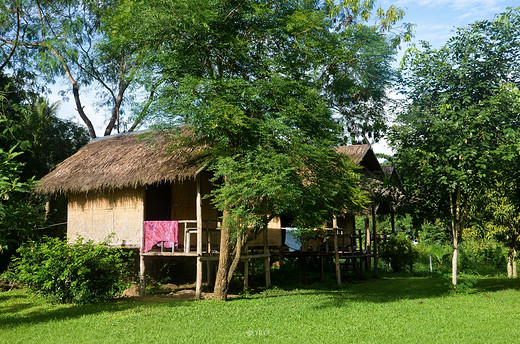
204 256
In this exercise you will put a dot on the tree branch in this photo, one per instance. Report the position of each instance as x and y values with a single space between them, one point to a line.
141 115
15 40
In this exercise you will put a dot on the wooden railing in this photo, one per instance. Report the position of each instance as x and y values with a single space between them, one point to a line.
189 227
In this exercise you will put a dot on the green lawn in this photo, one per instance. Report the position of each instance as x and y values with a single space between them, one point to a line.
387 310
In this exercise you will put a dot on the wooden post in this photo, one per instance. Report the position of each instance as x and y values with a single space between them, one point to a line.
267 260
209 272
322 271
374 246
368 243
142 281
336 252
246 268
198 285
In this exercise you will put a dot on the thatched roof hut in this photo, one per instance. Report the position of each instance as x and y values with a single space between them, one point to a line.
364 156
125 160
115 183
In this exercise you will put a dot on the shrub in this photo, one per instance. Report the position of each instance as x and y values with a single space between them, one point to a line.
398 252
482 257
80 272
440 257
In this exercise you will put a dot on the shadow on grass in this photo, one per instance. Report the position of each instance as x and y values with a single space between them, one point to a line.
388 288
31 311
490 285
6 297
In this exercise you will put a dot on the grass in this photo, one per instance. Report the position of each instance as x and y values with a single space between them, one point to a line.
390 310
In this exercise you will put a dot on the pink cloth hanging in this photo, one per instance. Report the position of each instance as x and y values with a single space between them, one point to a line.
156 232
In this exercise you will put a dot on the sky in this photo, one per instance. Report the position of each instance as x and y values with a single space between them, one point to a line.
434 21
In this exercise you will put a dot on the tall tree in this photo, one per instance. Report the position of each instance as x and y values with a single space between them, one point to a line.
501 202
29 121
68 39
259 83
447 138
41 140
11 187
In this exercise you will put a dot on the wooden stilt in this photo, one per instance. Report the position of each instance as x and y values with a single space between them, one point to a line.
267 260
304 270
368 243
322 272
374 231
142 281
300 269
208 272
198 285
336 256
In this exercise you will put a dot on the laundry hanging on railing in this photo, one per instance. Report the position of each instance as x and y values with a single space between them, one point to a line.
165 233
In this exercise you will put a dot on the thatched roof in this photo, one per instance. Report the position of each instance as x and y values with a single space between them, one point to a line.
119 161
355 152
364 156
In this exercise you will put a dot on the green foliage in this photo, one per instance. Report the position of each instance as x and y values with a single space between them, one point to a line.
19 214
29 123
462 112
434 233
440 258
71 40
478 257
403 224
482 253
335 50
399 252
453 139
79 272
256 82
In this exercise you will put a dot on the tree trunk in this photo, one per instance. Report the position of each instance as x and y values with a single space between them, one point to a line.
75 92
123 85
224 262
515 273
454 260
229 258
456 229
510 263
236 260
374 245
81 112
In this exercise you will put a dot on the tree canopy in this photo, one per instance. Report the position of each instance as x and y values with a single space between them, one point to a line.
267 86
33 141
463 110
51 41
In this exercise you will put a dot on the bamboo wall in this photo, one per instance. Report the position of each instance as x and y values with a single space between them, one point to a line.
274 234
347 221
96 215
183 206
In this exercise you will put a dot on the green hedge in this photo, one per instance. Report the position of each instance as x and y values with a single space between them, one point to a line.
79 272
398 252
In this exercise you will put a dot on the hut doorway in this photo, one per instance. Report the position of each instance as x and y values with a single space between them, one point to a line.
158 202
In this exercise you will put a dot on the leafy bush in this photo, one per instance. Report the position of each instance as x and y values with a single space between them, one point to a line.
80 272
440 257
482 257
398 252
